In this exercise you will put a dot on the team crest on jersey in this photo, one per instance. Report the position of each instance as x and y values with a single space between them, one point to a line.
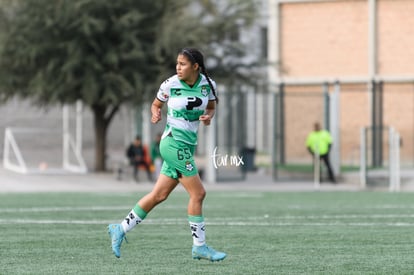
189 166
204 90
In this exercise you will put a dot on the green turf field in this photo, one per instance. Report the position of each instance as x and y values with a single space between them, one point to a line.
263 233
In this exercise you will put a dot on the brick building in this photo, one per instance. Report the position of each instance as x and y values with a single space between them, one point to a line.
360 48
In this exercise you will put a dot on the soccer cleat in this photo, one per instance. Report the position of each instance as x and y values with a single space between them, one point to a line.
208 253
117 235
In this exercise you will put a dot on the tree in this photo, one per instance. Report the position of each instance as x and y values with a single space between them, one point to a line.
217 31
95 51
104 53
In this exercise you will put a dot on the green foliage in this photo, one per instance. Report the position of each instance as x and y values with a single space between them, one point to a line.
96 51
109 52
225 49
215 28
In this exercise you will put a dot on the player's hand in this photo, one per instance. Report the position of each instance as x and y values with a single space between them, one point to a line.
156 116
206 119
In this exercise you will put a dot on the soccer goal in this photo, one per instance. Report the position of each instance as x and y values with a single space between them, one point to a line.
32 150
392 174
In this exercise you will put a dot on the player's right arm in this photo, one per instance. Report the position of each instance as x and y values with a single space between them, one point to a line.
156 110
162 96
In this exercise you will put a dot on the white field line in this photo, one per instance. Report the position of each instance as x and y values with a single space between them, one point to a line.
78 208
348 216
384 206
240 195
128 207
263 215
260 220
228 223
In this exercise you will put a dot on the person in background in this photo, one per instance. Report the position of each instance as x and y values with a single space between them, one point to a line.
156 157
191 98
137 155
319 142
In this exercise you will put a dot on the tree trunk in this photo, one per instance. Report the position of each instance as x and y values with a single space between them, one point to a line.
101 126
102 119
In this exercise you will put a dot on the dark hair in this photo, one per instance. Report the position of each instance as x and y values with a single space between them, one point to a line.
195 56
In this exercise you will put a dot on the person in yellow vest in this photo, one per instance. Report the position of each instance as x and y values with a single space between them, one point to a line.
319 142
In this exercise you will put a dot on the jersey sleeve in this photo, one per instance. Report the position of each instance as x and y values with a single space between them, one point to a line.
164 91
211 96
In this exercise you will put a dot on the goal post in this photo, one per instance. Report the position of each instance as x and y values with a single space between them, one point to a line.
31 150
71 145
393 172
363 158
10 149
395 177
316 170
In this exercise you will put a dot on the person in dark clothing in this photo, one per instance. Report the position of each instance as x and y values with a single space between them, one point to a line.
136 154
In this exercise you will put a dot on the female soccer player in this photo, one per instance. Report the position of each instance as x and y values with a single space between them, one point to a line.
191 97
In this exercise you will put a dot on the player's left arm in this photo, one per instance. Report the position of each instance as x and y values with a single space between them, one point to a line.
209 113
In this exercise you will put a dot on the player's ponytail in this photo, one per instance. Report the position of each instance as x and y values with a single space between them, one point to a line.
196 56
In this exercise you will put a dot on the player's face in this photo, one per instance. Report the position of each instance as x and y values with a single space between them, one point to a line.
185 70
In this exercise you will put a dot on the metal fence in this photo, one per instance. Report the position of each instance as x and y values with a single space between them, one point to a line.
345 109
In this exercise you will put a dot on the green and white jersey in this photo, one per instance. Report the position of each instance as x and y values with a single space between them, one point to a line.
185 105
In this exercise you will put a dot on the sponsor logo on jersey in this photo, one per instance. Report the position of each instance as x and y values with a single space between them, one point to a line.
176 92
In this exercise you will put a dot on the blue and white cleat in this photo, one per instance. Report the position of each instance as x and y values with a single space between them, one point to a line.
207 253
117 235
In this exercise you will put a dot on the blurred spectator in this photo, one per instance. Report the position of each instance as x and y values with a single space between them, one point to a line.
319 142
138 156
